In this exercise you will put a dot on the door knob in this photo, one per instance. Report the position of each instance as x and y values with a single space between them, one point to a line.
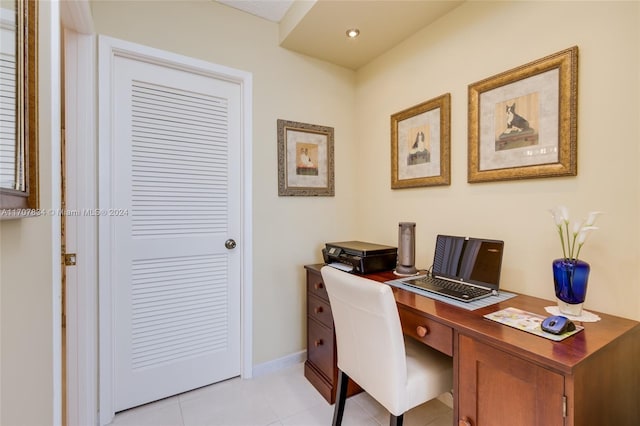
230 244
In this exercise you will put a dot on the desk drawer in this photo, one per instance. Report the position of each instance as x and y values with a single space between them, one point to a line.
433 333
315 285
320 310
320 347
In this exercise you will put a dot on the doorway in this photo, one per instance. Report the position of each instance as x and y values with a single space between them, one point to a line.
104 224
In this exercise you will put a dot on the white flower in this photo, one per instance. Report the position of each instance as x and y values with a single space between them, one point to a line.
584 232
557 217
573 240
560 215
592 218
564 213
577 226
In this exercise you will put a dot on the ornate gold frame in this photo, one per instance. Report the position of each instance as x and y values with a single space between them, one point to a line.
23 200
292 180
566 62
442 105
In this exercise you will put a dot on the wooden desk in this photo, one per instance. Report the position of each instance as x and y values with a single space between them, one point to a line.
504 376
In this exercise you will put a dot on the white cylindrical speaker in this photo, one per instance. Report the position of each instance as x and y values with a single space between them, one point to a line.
406 249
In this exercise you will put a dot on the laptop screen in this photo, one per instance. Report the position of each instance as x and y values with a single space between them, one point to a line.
472 260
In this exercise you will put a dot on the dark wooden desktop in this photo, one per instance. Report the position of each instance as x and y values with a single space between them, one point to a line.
503 376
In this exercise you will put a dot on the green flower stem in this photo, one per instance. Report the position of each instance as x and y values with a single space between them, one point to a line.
564 252
573 246
566 227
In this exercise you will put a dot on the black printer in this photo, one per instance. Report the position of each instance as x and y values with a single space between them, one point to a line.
360 257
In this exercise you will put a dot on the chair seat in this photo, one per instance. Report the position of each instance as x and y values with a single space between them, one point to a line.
429 374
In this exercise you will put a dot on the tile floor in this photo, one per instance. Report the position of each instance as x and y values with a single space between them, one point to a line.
283 398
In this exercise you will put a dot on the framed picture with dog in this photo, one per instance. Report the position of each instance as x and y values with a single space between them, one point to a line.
420 142
523 122
305 159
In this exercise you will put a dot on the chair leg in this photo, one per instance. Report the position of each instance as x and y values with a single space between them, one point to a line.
396 420
341 398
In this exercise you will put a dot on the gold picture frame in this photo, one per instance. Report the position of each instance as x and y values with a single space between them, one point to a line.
523 122
420 144
19 191
305 159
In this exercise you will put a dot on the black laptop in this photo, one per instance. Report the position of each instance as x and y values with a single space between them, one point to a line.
465 269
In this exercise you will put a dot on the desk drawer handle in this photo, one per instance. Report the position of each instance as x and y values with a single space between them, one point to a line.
318 310
319 286
422 330
464 422
318 342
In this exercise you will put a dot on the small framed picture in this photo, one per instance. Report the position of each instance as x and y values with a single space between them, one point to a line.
305 159
420 141
523 122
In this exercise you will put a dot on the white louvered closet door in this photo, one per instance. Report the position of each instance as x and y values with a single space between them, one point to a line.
176 177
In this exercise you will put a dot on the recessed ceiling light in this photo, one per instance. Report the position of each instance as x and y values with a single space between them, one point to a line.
353 33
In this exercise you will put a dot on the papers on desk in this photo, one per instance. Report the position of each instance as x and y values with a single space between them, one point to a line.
527 321
341 266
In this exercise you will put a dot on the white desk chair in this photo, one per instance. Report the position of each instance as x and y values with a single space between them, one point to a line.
372 350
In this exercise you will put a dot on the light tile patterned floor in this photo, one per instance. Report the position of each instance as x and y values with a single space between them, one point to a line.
282 398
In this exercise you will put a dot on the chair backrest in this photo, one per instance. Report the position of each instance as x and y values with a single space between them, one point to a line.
369 336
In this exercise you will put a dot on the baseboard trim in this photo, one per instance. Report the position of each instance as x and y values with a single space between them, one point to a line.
279 363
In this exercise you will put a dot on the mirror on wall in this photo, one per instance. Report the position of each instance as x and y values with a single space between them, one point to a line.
18 108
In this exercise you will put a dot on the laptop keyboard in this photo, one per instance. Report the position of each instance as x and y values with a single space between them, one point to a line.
460 288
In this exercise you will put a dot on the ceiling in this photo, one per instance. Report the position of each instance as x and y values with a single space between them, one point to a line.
318 27
273 10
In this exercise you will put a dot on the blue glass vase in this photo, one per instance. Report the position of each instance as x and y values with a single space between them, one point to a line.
570 279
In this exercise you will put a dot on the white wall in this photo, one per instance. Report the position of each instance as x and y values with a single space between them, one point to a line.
30 317
479 40
288 231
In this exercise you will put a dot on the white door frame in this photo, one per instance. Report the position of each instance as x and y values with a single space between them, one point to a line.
89 362
79 57
81 231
